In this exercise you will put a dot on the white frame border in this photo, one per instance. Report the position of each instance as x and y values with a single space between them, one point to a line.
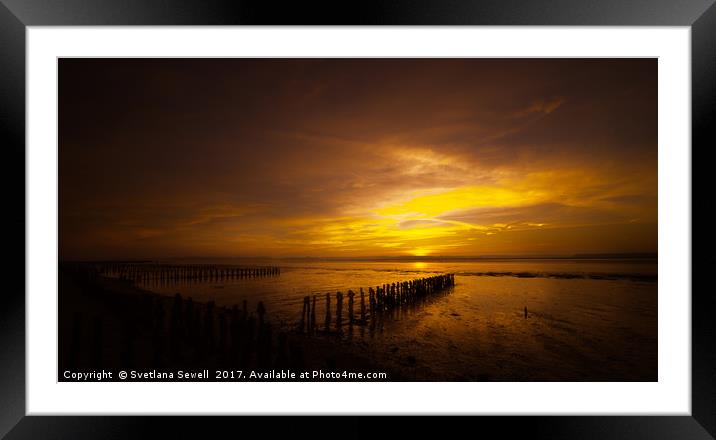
670 395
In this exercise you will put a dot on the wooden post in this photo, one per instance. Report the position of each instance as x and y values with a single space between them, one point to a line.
339 311
313 315
261 312
209 326
362 306
350 307
177 330
235 329
222 333
327 323
304 314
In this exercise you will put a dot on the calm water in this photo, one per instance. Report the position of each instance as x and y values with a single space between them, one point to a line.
588 320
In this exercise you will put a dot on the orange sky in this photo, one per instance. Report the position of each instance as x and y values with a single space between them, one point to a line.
169 158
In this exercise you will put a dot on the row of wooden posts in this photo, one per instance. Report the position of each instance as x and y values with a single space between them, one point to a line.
385 298
157 271
161 332
233 336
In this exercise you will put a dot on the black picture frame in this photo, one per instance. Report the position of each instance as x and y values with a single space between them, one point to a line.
16 15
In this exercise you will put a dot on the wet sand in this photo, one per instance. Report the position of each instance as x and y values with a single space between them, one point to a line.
584 323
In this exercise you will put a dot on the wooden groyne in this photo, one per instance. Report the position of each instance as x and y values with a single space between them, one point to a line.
148 330
183 272
381 300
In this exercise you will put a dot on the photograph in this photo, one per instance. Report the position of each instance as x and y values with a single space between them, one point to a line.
357 219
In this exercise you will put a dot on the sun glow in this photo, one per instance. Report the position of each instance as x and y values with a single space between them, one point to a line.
434 205
420 252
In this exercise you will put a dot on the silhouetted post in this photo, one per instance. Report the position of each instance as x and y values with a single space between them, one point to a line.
525 312
235 335
249 339
313 315
176 330
261 312
350 307
362 306
304 315
328 313
189 319
209 326
339 311
222 332
199 342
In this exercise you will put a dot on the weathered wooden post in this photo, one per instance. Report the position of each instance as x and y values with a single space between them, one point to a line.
222 332
249 341
209 326
199 343
313 316
339 311
327 323
304 315
261 312
235 328
176 328
362 306
350 307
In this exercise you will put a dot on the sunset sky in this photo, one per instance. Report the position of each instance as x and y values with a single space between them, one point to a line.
339 157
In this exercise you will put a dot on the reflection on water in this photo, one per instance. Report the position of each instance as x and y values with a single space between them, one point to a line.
586 320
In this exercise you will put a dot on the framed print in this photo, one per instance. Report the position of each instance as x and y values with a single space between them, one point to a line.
241 211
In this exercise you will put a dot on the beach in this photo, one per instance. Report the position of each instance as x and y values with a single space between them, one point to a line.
503 320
